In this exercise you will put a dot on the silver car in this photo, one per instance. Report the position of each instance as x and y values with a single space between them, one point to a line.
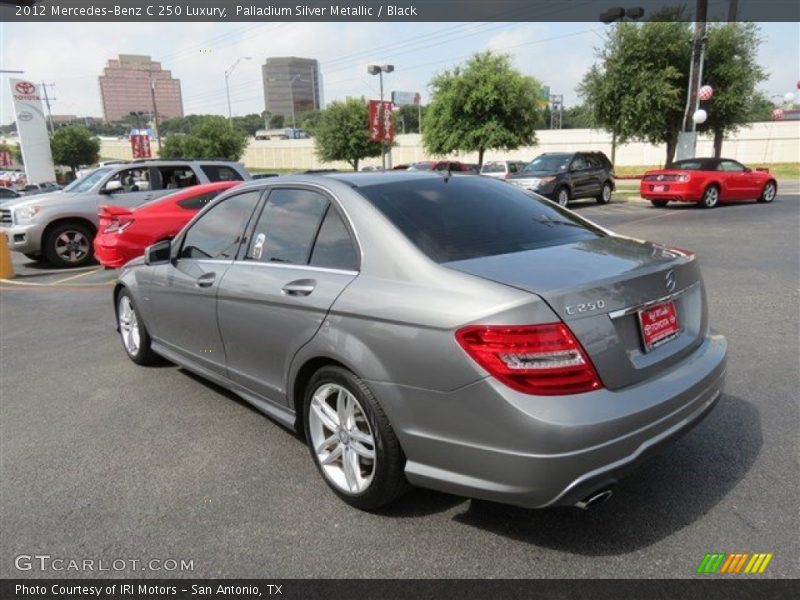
455 333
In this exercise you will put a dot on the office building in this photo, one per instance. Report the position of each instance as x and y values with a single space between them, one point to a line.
125 88
292 87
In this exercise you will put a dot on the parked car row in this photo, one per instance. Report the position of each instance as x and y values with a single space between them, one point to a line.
60 227
113 212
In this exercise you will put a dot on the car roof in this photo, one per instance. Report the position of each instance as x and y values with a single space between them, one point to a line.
706 164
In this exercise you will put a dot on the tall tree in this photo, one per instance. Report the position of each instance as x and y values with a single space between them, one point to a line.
342 133
637 89
733 71
74 146
485 105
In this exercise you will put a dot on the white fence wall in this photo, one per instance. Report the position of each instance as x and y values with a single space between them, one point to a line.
773 142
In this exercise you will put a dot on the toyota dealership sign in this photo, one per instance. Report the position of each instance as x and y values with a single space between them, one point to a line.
32 130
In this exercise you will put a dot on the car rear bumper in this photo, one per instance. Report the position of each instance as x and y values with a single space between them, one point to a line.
487 441
110 255
673 191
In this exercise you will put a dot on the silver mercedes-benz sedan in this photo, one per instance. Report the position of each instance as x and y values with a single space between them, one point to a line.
456 333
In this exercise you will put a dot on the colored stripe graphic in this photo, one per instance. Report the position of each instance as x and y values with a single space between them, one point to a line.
711 563
719 562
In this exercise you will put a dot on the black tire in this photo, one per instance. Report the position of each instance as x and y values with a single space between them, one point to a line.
768 193
659 203
561 196
143 353
710 197
605 194
69 244
388 479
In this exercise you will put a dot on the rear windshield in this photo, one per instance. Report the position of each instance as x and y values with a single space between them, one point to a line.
458 218
493 168
690 165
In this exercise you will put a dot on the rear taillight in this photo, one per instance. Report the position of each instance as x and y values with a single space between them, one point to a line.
535 359
118 225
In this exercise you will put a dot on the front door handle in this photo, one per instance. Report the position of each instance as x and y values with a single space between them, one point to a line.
299 287
206 280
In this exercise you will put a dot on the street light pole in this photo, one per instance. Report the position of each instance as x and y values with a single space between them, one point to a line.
228 72
379 70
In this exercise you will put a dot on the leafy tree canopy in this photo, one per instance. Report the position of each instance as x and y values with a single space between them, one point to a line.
485 105
343 133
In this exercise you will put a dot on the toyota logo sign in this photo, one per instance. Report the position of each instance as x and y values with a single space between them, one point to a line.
25 116
25 88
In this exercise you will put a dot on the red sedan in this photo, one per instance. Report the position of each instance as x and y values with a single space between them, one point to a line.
707 181
123 233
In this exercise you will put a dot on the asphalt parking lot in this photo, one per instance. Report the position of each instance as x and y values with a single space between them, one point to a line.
100 458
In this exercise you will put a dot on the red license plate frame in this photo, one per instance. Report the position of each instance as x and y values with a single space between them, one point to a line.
660 188
658 324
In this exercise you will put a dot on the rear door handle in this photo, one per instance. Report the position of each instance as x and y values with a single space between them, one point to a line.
206 280
299 287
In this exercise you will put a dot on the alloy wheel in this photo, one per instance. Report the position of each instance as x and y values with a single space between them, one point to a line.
606 194
711 197
342 438
128 326
769 192
563 197
72 246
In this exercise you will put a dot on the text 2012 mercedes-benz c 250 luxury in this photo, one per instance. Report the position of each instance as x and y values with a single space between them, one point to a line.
451 332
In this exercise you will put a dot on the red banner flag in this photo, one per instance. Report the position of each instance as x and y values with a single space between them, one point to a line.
381 121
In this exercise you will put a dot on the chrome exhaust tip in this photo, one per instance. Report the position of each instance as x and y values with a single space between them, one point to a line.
593 500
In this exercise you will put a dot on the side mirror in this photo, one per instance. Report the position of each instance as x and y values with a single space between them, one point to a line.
159 253
111 187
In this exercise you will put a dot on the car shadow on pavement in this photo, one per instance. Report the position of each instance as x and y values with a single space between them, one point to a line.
664 495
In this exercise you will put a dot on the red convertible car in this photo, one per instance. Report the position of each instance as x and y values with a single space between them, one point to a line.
124 233
707 181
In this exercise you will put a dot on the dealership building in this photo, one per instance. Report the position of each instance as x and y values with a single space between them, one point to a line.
125 87
292 86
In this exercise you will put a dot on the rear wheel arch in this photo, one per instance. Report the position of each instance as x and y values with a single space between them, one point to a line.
300 383
69 220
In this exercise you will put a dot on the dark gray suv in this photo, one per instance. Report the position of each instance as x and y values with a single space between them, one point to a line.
565 176
60 226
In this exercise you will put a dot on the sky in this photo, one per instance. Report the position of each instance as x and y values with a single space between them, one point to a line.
72 56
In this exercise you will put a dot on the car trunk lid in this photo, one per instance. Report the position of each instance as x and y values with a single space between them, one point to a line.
598 287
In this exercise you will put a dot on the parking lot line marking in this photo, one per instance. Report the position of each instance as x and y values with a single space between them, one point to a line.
71 277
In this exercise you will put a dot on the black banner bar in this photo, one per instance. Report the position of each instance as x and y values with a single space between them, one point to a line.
732 588
372 10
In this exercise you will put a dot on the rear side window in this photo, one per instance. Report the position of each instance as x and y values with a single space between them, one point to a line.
218 233
286 229
334 247
470 217
221 173
197 202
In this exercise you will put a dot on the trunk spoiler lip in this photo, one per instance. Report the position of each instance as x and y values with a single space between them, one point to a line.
111 210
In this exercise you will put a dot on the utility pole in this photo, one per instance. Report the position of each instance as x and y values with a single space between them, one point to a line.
47 104
733 10
696 67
